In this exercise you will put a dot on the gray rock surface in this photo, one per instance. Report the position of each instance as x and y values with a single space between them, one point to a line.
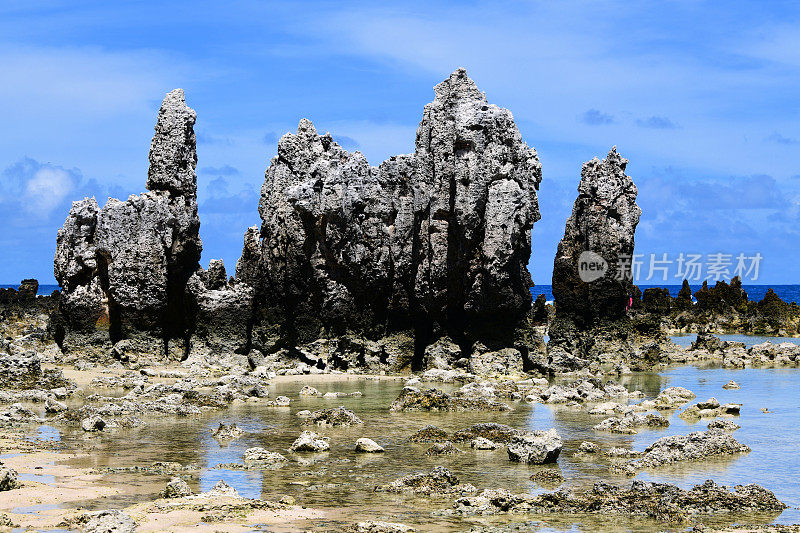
603 222
124 268
365 445
176 488
308 441
110 521
436 242
695 446
9 479
535 447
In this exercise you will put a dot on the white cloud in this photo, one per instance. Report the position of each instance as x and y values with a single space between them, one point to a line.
47 189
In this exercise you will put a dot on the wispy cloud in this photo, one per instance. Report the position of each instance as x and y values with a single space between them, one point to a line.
780 139
656 123
595 117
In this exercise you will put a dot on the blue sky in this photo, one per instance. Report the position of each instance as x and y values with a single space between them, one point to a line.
701 97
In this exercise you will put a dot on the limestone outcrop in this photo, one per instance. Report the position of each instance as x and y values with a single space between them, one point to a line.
124 267
592 278
435 242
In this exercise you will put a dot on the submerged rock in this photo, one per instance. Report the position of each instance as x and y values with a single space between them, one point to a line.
482 443
489 430
227 432
442 448
632 422
536 447
93 423
413 399
439 481
377 526
430 434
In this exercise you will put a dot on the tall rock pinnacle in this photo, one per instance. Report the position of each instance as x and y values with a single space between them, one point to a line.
124 267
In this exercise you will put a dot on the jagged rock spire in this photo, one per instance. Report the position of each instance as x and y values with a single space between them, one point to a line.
173 150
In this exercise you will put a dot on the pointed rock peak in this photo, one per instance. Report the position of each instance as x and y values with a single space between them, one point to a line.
173 150
458 85
614 158
306 127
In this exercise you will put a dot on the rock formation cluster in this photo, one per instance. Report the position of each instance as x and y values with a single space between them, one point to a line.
435 242
425 246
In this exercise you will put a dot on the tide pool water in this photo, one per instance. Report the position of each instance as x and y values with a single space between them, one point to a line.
342 482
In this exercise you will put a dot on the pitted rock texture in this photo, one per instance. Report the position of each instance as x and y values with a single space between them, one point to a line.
124 268
436 242
603 222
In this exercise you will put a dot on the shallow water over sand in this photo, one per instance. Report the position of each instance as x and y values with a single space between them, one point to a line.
343 482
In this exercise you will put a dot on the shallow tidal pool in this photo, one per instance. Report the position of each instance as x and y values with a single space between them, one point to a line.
342 482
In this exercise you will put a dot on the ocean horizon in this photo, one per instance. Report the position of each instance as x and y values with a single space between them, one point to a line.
787 292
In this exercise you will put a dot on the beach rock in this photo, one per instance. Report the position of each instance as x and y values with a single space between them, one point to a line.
336 417
308 441
176 488
51 405
731 385
124 268
589 447
308 390
260 458
93 423
377 526
227 432
723 424
632 422
695 446
412 399
537 447
482 443
365 445
109 521
20 370
669 398
9 479
707 341
436 242
439 481
603 223
658 501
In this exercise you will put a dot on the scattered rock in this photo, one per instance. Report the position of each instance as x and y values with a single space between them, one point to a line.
723 424
260 458
309 391
412 399
548 477
482 443
176 488
499 433
731 385
110 521
438 481
52 405
631 423
589 447
9 479
335 417
537 447
376 526
308 441
365 445
659 501
93 423
695 446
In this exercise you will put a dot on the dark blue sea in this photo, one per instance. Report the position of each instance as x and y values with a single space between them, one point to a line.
788 293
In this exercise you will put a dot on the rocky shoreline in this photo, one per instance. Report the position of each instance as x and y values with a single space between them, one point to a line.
412 273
